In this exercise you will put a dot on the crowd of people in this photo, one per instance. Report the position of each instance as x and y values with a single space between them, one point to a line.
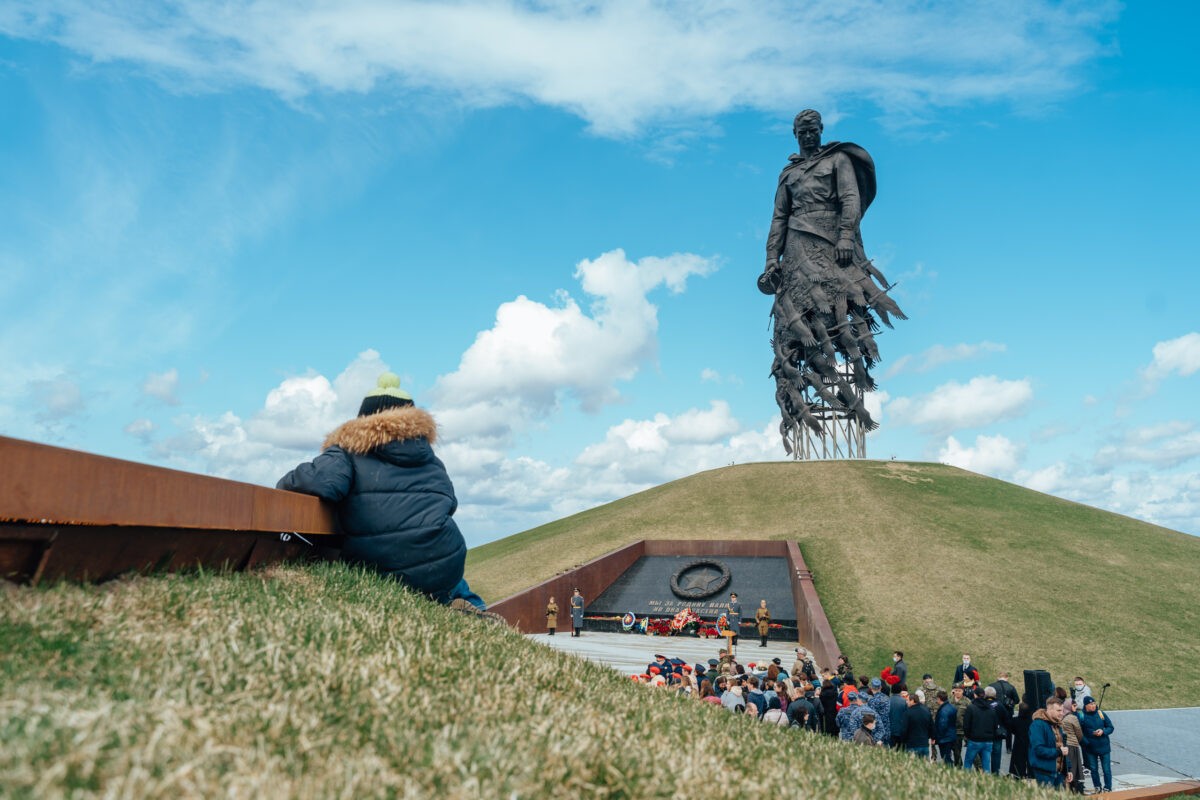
1053 740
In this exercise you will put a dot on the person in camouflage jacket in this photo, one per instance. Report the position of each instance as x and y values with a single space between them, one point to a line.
881 705
960 702
930 688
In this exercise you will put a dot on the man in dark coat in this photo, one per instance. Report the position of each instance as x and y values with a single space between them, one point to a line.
945 731
1003 725
918 727
576 613
979 729
897 705
966 670
1097 746
900 668
829 698
1048 745
1018 765
733 614
394 500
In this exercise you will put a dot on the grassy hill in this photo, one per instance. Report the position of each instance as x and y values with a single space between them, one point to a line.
323 681
928 559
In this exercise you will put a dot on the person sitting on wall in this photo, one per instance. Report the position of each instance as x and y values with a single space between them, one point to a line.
394 499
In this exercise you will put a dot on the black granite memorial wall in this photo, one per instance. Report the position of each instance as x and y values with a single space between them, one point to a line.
702 584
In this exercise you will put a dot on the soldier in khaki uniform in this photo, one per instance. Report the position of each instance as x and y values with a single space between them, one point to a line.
763 617
551 616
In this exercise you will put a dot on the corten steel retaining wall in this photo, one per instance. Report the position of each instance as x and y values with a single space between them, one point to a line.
68 514
1160 792
526 610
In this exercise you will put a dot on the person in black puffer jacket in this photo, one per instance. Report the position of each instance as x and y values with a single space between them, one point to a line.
394 499
979 728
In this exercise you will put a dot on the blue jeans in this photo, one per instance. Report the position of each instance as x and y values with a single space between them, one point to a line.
1052 779
463 591
1105 760
920 752
981 749
997 749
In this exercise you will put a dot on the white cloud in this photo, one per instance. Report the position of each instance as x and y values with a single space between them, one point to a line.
513 375
535 355
1049 480
294 419
710 375
981 401
939 354
1164 445
55 399
620 66
647 452
163 386
1170 499
500 494
991 455
1175 356
141 429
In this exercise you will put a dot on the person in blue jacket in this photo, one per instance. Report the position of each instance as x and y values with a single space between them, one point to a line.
1097 747
395 502
1048 745
945 727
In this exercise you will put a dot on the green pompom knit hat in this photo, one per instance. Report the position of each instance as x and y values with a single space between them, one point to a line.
386 394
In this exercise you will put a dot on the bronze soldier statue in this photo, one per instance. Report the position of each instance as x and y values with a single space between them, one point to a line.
829 299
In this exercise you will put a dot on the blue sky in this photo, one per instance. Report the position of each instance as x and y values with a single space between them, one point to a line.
219 223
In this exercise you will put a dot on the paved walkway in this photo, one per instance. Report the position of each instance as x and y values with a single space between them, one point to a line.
1150 747
629 653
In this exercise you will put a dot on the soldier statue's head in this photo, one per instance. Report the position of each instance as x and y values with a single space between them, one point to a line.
807 128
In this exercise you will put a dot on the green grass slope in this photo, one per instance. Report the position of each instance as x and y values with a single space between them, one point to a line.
927 559
324 681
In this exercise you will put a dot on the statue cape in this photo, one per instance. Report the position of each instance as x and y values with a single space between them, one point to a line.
864 168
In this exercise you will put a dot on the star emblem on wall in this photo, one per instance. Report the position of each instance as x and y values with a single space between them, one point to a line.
700 579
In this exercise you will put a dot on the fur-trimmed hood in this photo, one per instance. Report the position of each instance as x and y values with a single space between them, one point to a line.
364 434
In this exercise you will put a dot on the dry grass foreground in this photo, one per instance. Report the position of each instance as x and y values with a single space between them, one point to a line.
927 559
324 681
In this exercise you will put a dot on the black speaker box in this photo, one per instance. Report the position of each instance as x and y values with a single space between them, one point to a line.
1038 687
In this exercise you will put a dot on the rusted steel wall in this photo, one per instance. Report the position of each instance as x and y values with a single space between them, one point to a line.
1160 792
34 553
758 548
526 611
44 484
68 514
815 631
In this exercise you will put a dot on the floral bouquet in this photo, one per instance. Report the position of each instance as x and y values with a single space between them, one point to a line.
658 627
683 620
